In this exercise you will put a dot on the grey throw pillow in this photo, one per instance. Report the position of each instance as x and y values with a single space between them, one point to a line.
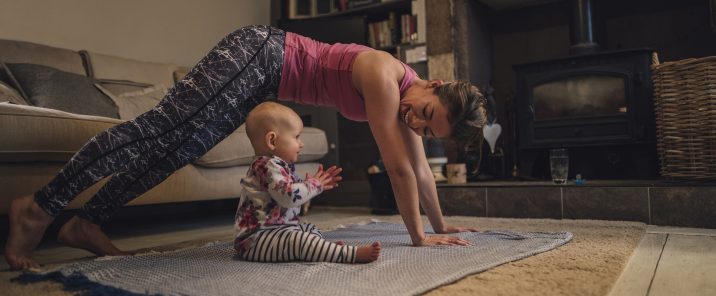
51 88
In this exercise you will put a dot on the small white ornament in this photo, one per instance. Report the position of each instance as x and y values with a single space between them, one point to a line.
491 132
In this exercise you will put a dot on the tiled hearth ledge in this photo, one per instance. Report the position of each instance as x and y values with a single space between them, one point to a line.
654 202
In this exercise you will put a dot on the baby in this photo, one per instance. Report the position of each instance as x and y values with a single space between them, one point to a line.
266 223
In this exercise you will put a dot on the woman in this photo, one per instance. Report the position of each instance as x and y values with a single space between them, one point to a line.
214 99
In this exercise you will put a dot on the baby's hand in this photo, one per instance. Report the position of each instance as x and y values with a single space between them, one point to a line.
329 178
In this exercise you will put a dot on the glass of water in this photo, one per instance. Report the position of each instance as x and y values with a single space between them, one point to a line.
559 165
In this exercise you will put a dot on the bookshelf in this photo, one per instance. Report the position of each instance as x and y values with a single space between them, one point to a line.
388 23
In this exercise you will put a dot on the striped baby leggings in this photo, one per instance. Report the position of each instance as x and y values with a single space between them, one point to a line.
202 109
302 242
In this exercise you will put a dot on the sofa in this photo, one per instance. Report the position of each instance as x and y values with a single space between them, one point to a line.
53 100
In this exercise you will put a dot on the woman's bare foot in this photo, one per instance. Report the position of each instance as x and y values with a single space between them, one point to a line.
28 223
83 234
367 254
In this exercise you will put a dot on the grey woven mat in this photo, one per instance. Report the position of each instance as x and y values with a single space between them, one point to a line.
401 270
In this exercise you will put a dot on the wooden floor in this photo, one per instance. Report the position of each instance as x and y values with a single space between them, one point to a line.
669 260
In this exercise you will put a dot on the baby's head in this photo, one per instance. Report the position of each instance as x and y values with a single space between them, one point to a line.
274 130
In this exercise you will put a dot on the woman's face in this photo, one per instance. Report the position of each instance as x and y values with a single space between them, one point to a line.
423 112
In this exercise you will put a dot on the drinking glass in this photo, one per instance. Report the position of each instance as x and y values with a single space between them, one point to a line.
559 165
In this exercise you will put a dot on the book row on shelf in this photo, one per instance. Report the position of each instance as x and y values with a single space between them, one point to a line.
298 9
392 31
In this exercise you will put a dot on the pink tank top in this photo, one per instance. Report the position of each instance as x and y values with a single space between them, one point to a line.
317 73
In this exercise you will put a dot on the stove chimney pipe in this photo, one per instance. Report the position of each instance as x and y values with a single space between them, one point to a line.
582 28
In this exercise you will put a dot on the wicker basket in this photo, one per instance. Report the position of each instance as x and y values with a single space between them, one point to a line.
685 102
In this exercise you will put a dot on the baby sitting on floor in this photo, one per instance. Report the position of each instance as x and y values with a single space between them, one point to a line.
266 223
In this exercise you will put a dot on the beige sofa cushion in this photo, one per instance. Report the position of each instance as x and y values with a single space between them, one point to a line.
12 51
236 149
103 66
39 134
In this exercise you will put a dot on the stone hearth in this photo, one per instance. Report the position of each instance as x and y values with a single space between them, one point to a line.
653 202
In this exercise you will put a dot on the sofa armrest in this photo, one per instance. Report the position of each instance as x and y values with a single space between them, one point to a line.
40 134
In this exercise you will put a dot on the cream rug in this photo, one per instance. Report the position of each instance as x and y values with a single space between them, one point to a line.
589 265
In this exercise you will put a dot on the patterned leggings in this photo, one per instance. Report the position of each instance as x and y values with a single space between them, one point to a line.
202 109
302 242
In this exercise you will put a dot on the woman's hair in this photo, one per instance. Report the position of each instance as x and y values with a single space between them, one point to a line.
467 111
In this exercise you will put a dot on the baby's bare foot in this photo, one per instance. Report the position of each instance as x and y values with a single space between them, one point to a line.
340 243
367 254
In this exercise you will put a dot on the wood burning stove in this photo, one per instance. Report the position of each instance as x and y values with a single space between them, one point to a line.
599 105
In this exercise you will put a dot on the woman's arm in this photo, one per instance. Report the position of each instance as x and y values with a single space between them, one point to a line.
397 144
380 90
386 129
426 182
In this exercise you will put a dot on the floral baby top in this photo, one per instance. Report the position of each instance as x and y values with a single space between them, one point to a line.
272 195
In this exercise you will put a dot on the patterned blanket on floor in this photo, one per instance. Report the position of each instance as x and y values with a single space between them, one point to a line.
213 269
